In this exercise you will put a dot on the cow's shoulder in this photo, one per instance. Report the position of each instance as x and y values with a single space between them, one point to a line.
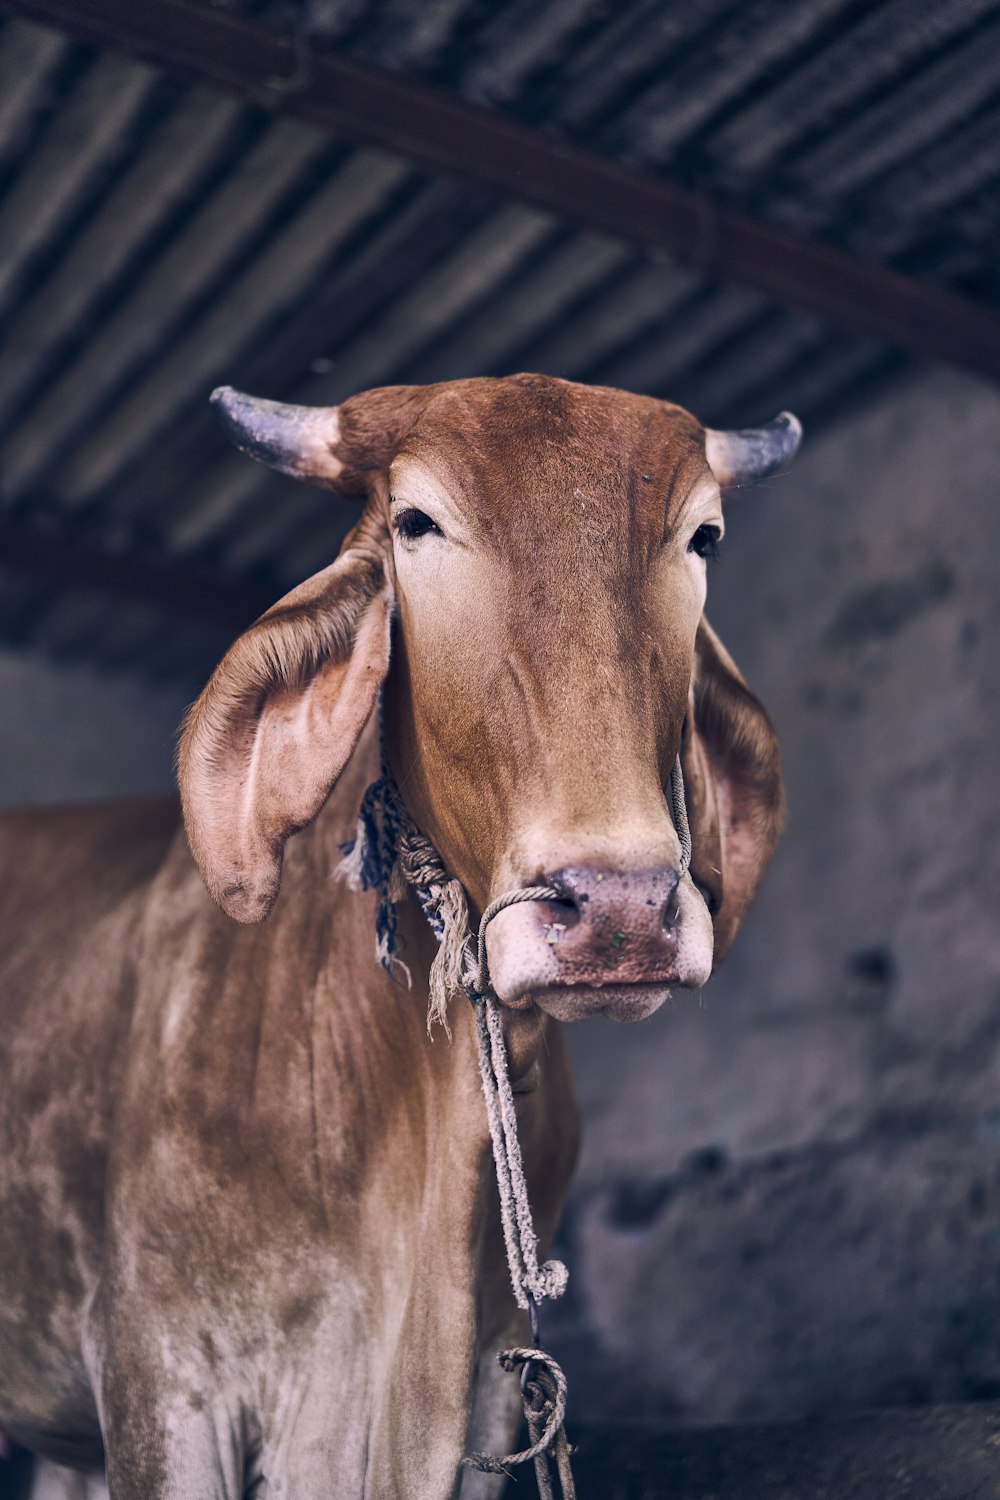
117 840
63 869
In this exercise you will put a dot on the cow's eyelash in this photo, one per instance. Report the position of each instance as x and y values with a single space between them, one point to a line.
705 542
411 524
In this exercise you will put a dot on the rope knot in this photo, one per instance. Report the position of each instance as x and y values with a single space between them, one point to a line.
553 1278
543 1390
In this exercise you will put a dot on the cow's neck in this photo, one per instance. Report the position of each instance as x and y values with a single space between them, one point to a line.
334 1014
524 1026
535 1062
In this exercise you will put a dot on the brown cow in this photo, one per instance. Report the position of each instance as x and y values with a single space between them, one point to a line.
249 1237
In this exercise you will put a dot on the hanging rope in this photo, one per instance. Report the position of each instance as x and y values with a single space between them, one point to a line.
387 854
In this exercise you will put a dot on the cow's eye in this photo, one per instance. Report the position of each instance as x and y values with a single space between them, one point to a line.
412 523
705 541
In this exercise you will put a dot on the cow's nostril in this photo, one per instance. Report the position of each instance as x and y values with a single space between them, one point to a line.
669 910
560 914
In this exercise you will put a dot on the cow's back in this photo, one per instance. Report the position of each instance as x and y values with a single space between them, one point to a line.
72 888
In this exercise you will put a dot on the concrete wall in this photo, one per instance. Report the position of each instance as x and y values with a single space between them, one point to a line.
789 1197
69 733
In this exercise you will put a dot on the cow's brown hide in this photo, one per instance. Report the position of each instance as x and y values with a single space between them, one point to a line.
249 1233
299 1247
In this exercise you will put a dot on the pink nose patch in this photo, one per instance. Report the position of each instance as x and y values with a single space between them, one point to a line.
615 927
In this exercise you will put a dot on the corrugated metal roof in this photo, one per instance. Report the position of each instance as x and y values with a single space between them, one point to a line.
157 238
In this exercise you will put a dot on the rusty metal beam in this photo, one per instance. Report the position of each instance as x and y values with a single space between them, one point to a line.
443 134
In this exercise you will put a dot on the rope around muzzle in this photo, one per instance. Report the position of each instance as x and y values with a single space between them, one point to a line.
388 854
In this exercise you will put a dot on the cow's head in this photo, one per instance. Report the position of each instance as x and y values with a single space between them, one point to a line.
527 578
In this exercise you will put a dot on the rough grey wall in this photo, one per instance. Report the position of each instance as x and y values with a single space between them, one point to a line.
69 733
789 1196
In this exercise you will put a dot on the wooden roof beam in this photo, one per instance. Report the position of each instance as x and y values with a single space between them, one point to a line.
169 587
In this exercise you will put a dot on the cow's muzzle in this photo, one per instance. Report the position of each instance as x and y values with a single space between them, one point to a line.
617 943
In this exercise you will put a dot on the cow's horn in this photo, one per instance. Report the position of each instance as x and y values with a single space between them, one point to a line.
295 440
755 453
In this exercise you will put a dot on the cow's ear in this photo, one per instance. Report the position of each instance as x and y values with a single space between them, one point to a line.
732 776
264 745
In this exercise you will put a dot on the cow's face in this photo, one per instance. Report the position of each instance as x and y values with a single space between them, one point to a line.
543 549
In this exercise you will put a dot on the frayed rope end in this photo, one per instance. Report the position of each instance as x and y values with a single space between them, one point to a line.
350 868
487 1464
